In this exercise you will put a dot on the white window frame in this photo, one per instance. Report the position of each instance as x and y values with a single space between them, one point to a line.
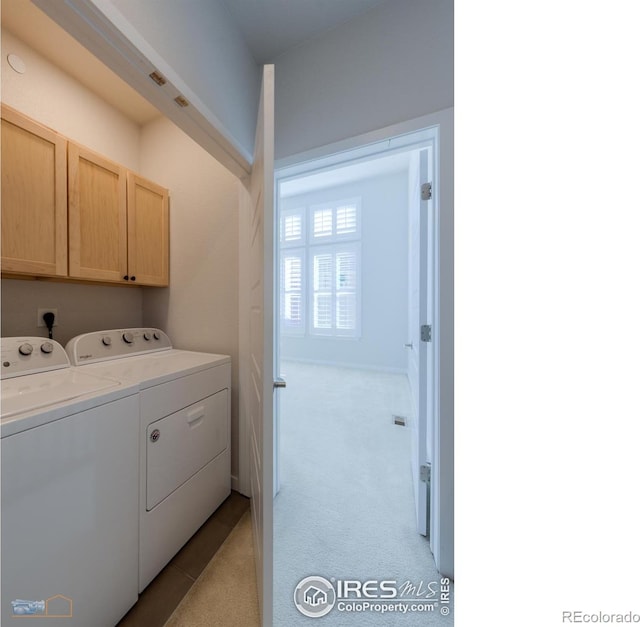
287 325
302 240
308 245
334 250
334 236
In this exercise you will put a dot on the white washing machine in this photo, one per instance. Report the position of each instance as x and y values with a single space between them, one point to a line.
69 489
185 471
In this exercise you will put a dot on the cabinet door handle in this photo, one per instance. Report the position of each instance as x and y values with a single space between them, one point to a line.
126 277
133 278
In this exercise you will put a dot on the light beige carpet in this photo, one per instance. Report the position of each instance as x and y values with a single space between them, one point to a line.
225 594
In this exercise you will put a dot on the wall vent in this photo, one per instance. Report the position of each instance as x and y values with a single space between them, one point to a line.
401 421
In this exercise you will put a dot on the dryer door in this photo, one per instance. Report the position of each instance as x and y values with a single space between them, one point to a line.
180 444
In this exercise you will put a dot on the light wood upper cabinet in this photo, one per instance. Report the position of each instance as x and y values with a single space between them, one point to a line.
117 221
97 217
148 230
34 197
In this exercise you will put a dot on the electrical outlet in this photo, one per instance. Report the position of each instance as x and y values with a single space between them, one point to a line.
42 311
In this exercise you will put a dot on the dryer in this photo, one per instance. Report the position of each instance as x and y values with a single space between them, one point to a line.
69 488
184 432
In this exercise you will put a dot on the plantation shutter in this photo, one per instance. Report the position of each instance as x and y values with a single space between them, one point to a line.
322 291
291 296
346 285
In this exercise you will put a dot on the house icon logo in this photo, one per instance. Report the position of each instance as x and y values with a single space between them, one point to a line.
314 597
57 606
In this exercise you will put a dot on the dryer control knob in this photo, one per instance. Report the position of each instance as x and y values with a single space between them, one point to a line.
128 337
146 335
156 335
106 340
47 348
25 349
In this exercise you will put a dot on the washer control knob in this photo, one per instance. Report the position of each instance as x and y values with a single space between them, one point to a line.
146 335
156 335
25 349
155 435
127 336
106 340
47 348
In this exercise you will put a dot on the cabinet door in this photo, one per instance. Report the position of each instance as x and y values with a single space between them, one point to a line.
97 217
148 221
34 197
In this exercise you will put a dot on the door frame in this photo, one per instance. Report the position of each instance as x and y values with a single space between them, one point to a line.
400 137
421 310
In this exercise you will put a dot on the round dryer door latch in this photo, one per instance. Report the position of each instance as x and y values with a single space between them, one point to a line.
155 435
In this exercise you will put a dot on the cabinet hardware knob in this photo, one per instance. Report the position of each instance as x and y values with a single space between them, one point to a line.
133 278
126 277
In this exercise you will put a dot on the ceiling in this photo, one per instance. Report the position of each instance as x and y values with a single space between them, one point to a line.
271 27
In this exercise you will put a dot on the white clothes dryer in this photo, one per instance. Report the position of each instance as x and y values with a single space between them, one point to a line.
185 471
69 488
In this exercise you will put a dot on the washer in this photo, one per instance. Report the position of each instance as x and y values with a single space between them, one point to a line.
69 488
185 471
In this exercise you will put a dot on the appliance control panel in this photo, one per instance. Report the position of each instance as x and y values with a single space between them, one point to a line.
115 344
28 355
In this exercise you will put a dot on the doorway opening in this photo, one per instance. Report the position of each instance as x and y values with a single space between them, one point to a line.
348 293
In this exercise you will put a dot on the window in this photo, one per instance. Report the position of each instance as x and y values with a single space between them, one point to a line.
335 290
292 258
320 270
335 222
292 229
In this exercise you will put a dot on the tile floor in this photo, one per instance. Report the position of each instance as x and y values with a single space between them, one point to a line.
160 598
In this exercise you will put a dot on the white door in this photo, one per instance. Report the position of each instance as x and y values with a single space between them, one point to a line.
421 315
256 284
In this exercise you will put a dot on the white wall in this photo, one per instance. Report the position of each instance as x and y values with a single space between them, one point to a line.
202 44
392 64
81 308
384 279
51 97
199 310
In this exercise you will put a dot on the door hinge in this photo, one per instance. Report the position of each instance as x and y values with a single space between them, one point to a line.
425 473
426 191
425 332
